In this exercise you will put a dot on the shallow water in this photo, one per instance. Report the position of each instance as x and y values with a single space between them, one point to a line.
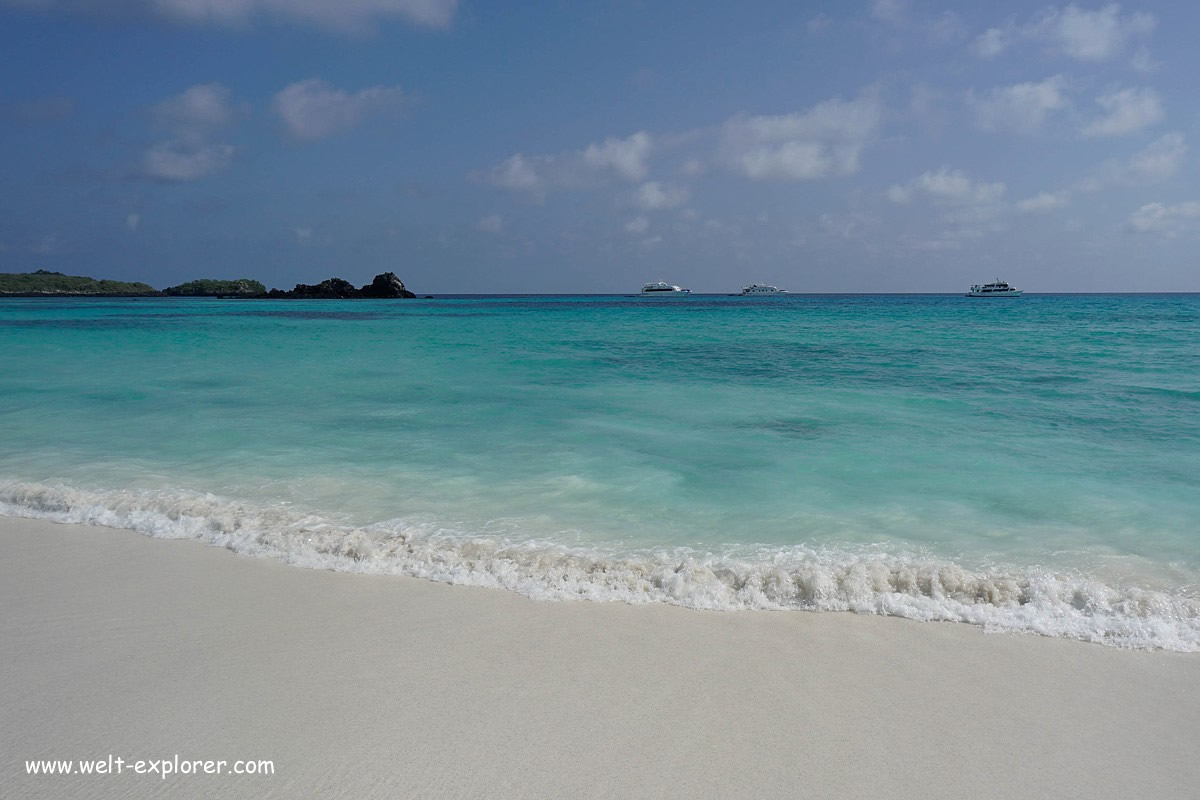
1024 464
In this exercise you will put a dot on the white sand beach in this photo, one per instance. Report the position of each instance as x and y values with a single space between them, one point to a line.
353 686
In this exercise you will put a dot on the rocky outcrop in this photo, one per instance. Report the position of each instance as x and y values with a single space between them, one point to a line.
331 289
385 286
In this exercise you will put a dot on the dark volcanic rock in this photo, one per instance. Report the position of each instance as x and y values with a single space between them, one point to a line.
386 285
331 289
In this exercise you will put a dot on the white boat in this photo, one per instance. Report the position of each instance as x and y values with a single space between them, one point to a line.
996 288
758 289
663 289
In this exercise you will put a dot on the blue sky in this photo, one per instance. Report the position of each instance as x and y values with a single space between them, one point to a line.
883 145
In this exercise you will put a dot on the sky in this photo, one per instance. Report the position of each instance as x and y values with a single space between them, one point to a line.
479 146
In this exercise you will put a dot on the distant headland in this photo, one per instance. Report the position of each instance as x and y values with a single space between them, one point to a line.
55 284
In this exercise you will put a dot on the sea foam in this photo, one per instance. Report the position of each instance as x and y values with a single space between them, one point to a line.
1004 598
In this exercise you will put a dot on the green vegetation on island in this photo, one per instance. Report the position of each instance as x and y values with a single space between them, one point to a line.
51 283
54 284
210 287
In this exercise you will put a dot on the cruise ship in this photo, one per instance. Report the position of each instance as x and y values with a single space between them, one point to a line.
996 288
663 289
760 289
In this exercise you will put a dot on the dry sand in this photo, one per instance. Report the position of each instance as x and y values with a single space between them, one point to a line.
355 687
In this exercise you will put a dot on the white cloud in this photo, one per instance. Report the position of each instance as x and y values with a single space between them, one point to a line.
346 16
626 156
181 161
195 118
538 175
823 141
1046 201
899 194
950 187
518 174
891 11
1165 220
1083 35
492 223
132 221
942 29
1127 111
1021 108
653 195
971 209
991 43
638 224
196 111
313 109
948 27
304 235
1097 35
1160 160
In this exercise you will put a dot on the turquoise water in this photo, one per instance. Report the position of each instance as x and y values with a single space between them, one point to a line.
1028 464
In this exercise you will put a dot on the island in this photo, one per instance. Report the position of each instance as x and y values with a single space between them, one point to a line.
386 285
43 283
210 287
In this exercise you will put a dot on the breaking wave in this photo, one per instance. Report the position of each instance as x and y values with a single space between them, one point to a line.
1024 599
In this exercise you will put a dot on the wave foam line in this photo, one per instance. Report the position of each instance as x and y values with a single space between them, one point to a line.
1030 600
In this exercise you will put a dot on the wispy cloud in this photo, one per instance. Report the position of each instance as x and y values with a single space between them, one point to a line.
626 156
1041 203
891 11
538 175
492 223
344 16
823 141
948 186
1126 111
1165 220
195 120
1020 108
652 196
638 224
1159 161
313 109
1083 35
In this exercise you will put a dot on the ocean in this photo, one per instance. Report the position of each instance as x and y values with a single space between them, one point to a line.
1025 464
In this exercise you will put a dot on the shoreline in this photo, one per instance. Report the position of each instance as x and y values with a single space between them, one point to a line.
357 685
1056 602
